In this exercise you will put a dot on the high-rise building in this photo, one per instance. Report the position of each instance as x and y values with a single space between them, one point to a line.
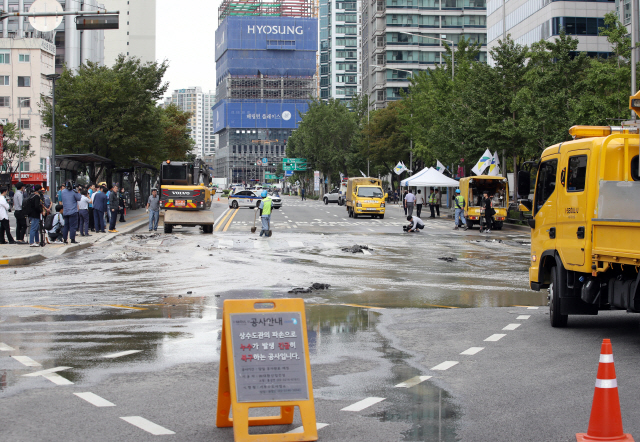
265 73
340 48
395 40
529 21
200 124
136 36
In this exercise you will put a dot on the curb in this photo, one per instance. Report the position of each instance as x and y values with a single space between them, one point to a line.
22 260
75 248
130 227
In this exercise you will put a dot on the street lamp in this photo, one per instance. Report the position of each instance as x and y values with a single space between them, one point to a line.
52 184
453 59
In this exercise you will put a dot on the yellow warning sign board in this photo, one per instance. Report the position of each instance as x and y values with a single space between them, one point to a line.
264 362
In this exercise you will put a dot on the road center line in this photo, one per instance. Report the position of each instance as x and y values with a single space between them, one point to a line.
495 337
445 365
122 353
146 425
230 220
57 379
412 382
364 403
47 371
523 317
94 399
472 351
26 360
511 327
301 429
5 347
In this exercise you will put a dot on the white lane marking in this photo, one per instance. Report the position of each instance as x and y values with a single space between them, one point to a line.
225 244
533 308
366 252
146 425
364 403
43 372
261 245
286 216
413 381
495 337
94 399
290 221
472 351
122 353
523 317
57 379
5 347
26 360
371 230
301 429
295 244
223 213
511 327
445 365
330 245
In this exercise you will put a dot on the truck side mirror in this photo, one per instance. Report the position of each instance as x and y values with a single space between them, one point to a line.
524 183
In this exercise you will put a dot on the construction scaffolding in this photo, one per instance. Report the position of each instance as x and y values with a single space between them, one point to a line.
262 87
262 8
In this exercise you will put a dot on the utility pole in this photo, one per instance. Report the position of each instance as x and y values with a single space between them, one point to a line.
52 184
634 40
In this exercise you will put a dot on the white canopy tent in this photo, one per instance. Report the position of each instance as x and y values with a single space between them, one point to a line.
429 177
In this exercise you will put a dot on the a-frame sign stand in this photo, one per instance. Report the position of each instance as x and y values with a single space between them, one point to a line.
265 364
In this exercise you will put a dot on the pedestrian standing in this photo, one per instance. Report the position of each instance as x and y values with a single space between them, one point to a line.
59 194
395 196
108 212
404 204
438 201
4 217
487 204
432 203
90 192
121 204
55 234
99 208
70 200
153 207
113 208
21 219
409 201
419 202
33 209
265 215
302 193
458 203
83 213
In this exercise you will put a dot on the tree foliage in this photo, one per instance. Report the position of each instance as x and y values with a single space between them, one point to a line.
12 154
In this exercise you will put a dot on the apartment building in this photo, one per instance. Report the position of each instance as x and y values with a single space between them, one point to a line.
200 124
137 34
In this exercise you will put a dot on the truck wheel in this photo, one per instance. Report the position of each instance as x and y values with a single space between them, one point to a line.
326 201
207 228
469 224
497 225
556 291
349 212
168 228
234 204
381 217
355 215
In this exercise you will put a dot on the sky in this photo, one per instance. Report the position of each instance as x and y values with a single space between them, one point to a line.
185 35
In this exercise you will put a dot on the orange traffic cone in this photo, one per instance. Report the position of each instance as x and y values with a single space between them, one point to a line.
218 199
605 423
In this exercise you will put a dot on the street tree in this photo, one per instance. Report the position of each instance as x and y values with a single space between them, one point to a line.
12 153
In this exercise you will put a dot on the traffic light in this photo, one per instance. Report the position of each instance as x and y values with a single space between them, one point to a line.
634 103
90 22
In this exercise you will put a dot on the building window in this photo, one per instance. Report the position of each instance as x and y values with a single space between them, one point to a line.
24 58
24 167
24 124
24 102
5 101
4 80
5 56
43 164
24 81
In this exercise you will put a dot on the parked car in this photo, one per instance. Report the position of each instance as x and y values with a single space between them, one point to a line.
333 197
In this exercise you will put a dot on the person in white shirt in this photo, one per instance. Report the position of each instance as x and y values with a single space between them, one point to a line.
409 201
83 213
416 224
4 217
55 234
419 202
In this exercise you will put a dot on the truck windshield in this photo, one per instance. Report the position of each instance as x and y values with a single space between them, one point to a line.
370 192
174 172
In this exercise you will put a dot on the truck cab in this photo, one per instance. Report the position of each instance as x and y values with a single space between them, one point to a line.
473 188
585 222
365 197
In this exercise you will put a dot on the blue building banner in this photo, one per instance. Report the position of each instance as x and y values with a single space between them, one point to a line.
257 114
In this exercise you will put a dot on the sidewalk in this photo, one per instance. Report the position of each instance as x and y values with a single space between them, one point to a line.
17 254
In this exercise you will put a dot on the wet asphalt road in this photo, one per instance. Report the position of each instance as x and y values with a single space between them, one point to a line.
389 316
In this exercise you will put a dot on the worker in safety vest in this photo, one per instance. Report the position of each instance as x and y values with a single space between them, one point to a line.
265 206
458 205
432 203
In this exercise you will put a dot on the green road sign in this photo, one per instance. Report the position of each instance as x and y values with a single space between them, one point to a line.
294 160
295 167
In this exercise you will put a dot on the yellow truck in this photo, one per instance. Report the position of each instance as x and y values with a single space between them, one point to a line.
473 188
585 228
365 197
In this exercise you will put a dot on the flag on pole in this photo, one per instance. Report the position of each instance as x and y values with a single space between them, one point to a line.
363 174
483 163
406 168
440 167
400 167
494 167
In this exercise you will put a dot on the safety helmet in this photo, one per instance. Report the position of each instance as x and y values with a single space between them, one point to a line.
457 190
